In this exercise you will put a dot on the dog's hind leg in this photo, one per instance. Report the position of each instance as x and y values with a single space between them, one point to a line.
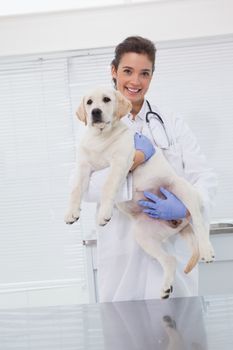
191 199
151 244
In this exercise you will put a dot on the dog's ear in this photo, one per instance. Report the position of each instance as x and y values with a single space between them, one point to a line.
81 112
123 106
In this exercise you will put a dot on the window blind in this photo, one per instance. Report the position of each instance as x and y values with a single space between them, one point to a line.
36 152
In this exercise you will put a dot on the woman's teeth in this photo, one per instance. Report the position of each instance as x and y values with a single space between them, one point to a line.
133 90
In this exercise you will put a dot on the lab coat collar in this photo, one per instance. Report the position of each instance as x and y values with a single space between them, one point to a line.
142 113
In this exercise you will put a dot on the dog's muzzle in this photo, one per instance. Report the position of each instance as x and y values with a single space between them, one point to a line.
96 115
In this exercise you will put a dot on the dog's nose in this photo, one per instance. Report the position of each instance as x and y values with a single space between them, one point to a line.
96 115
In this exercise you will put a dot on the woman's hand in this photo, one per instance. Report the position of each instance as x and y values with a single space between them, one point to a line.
144 149
170 208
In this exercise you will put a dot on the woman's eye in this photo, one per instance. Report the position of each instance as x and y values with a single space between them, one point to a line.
106 99
127 71
89 102
146 74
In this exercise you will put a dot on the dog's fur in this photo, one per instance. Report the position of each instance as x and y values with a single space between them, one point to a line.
109 142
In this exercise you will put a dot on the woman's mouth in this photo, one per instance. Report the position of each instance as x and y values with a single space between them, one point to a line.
133 91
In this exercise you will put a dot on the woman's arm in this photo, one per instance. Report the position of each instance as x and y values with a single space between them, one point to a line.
139 158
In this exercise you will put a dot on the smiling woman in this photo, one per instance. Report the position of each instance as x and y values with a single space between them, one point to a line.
124 271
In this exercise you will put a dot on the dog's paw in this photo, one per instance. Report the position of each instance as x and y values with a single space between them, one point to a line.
102 221
72 216
104 216
165 293
211 250
206 252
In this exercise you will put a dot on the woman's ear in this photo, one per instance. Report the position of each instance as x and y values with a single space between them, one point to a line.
113 71
123 106
114 75
81 112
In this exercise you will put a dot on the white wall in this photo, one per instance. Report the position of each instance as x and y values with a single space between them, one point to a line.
104 27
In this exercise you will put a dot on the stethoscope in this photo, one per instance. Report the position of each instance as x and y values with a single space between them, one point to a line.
151 114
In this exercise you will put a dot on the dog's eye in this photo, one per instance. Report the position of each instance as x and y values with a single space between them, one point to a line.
106 99
89 102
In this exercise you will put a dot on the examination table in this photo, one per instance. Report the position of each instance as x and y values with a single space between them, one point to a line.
197 323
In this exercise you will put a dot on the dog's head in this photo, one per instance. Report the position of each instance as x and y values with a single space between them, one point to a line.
102 107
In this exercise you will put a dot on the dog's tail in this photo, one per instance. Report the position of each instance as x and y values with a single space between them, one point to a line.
189 236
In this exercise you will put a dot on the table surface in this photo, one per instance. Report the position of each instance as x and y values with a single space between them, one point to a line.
196 323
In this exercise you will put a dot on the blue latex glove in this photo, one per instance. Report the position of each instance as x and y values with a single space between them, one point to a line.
143 144
170 208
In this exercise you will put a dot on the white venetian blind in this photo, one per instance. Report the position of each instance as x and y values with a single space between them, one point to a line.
36 153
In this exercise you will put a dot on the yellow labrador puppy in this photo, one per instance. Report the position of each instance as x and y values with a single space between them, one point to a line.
109 142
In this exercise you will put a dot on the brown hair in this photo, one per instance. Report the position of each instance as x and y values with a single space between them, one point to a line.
135 44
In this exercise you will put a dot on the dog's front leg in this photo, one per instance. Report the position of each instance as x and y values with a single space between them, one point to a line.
81 185
119 170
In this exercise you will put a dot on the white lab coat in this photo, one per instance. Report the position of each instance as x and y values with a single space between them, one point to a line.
125 271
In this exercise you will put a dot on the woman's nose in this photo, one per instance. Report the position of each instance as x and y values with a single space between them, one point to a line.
135 79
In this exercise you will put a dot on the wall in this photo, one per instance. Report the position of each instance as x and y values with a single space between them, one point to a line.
104 27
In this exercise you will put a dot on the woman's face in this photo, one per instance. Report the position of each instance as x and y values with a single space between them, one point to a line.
133 76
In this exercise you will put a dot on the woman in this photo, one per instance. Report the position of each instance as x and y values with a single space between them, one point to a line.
125 272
